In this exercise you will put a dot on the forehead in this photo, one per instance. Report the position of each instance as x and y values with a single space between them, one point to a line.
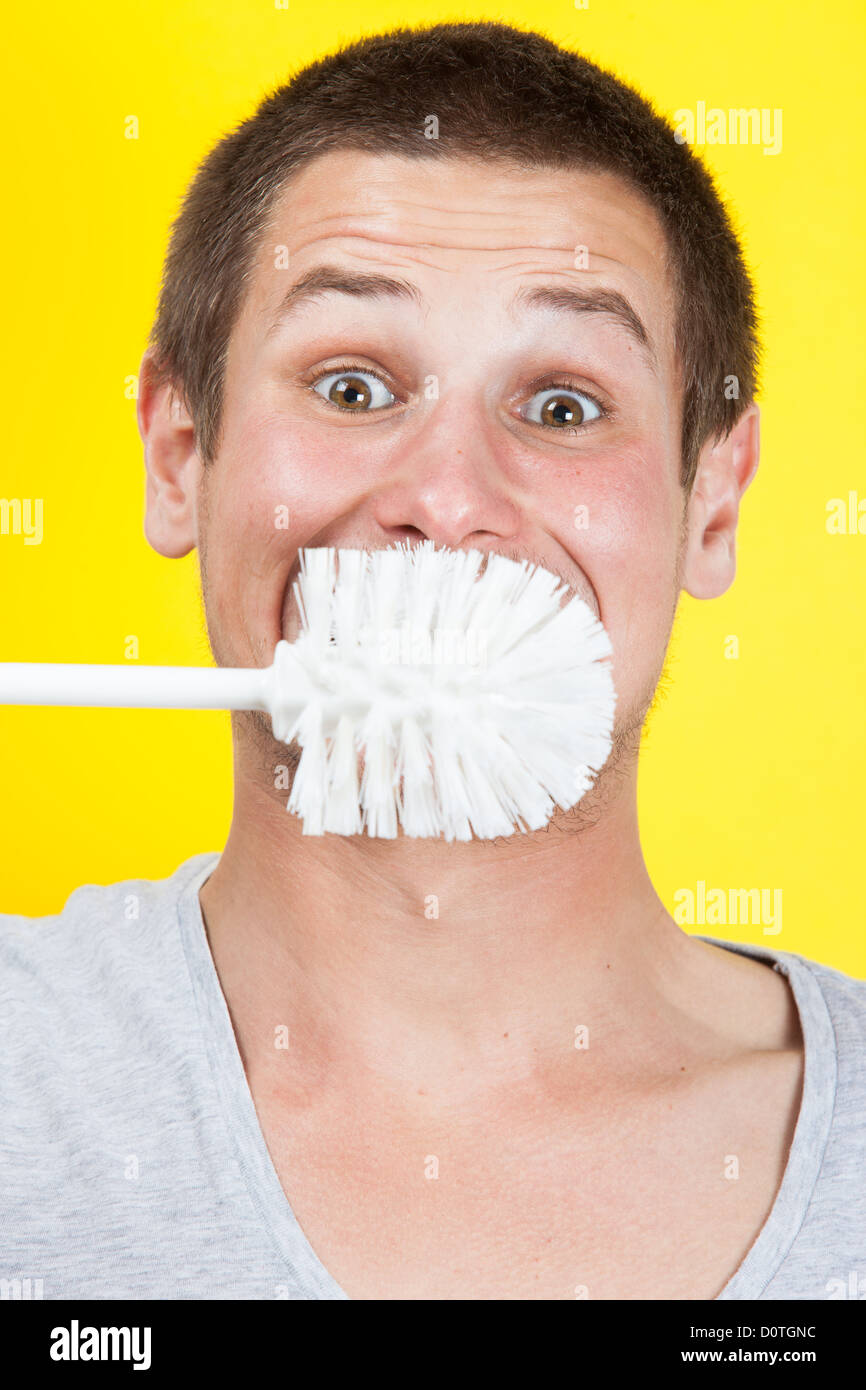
447 220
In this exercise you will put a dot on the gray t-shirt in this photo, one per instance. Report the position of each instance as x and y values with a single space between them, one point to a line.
132 1163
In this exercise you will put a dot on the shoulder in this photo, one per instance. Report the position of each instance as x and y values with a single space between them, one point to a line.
846 993
93 1001
101 939
832 1009
817 987
842 995
844 999
100 1046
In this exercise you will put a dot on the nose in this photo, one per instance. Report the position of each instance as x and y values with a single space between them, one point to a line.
448 486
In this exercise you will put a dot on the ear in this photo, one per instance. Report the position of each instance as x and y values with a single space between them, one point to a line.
173 466
723 474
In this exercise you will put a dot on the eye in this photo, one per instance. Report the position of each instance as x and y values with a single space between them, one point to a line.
354 390
561 408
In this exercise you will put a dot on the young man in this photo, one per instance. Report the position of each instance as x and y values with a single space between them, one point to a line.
455 284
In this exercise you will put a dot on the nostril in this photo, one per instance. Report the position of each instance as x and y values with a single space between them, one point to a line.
408 533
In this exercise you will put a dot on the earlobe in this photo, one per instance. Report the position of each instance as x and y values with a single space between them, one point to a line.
724 472
172 463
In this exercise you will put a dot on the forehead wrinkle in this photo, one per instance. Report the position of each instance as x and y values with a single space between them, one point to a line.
403 217
390 237
527 259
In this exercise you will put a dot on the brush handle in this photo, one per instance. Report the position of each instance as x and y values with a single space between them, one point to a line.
139 687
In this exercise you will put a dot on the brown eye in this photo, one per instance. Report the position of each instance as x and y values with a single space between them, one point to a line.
561 409
351 393
358 391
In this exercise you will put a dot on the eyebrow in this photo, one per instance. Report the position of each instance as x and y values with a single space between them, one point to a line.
325 279
598 301
365 284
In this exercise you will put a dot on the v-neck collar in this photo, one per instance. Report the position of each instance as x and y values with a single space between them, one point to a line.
242 1123
756 1270
812 1131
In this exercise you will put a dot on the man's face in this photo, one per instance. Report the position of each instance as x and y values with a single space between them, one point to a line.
474 400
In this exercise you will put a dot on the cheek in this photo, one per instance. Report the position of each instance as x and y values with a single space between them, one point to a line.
620 525
248 521
296 475
273 489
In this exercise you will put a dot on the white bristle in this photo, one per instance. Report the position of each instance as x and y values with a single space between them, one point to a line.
478 703
310 787
343 812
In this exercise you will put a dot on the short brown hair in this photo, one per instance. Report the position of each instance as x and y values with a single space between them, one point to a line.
499 93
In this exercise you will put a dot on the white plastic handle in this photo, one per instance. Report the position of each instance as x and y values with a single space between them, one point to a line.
141 687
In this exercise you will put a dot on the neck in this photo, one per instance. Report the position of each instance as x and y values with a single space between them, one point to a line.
431 963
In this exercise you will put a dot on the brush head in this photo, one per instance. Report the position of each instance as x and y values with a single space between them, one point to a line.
447 693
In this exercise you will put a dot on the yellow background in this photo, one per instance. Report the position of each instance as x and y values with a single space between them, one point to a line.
754 769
